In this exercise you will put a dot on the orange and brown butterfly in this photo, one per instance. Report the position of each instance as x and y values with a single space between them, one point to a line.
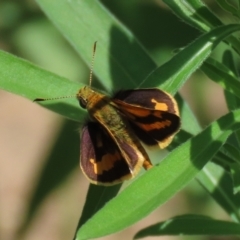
111 150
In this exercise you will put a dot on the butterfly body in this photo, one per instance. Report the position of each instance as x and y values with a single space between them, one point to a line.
111 151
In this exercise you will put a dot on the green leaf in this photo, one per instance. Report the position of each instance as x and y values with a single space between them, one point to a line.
173 74
27 80
233 101
229 8
161 182
220 74
190 225
119 58
93 204
217 183
232 152
235 171
197 14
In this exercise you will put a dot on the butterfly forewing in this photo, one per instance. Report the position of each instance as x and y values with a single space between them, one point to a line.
151 98
153 114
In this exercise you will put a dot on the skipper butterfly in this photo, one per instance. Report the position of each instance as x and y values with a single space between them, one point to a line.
110 148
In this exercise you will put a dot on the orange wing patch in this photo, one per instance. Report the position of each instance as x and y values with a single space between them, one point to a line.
159 105
107 162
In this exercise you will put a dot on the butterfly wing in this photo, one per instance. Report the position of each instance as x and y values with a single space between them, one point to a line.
101 160
152 113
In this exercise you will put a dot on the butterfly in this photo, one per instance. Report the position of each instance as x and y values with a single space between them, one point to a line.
111 150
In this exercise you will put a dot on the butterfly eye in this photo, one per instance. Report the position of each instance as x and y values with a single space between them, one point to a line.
83 102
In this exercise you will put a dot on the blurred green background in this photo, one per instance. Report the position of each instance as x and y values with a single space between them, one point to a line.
33 139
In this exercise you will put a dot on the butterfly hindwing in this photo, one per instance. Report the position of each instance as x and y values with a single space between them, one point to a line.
101 160
152 113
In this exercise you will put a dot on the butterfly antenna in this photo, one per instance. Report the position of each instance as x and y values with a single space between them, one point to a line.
92 63
55 98
72 96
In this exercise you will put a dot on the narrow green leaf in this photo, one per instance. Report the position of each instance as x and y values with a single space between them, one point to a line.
27 80
190 225
232 152
233 102
217 183
237 135
121 62
229 8
220 74
161 182
211 177
93 204
222 160
173 74
197 14
235 171
228 63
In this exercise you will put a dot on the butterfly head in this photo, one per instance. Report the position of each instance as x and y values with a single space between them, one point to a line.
83 96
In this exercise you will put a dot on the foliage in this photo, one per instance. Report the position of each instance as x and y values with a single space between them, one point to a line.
122 63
